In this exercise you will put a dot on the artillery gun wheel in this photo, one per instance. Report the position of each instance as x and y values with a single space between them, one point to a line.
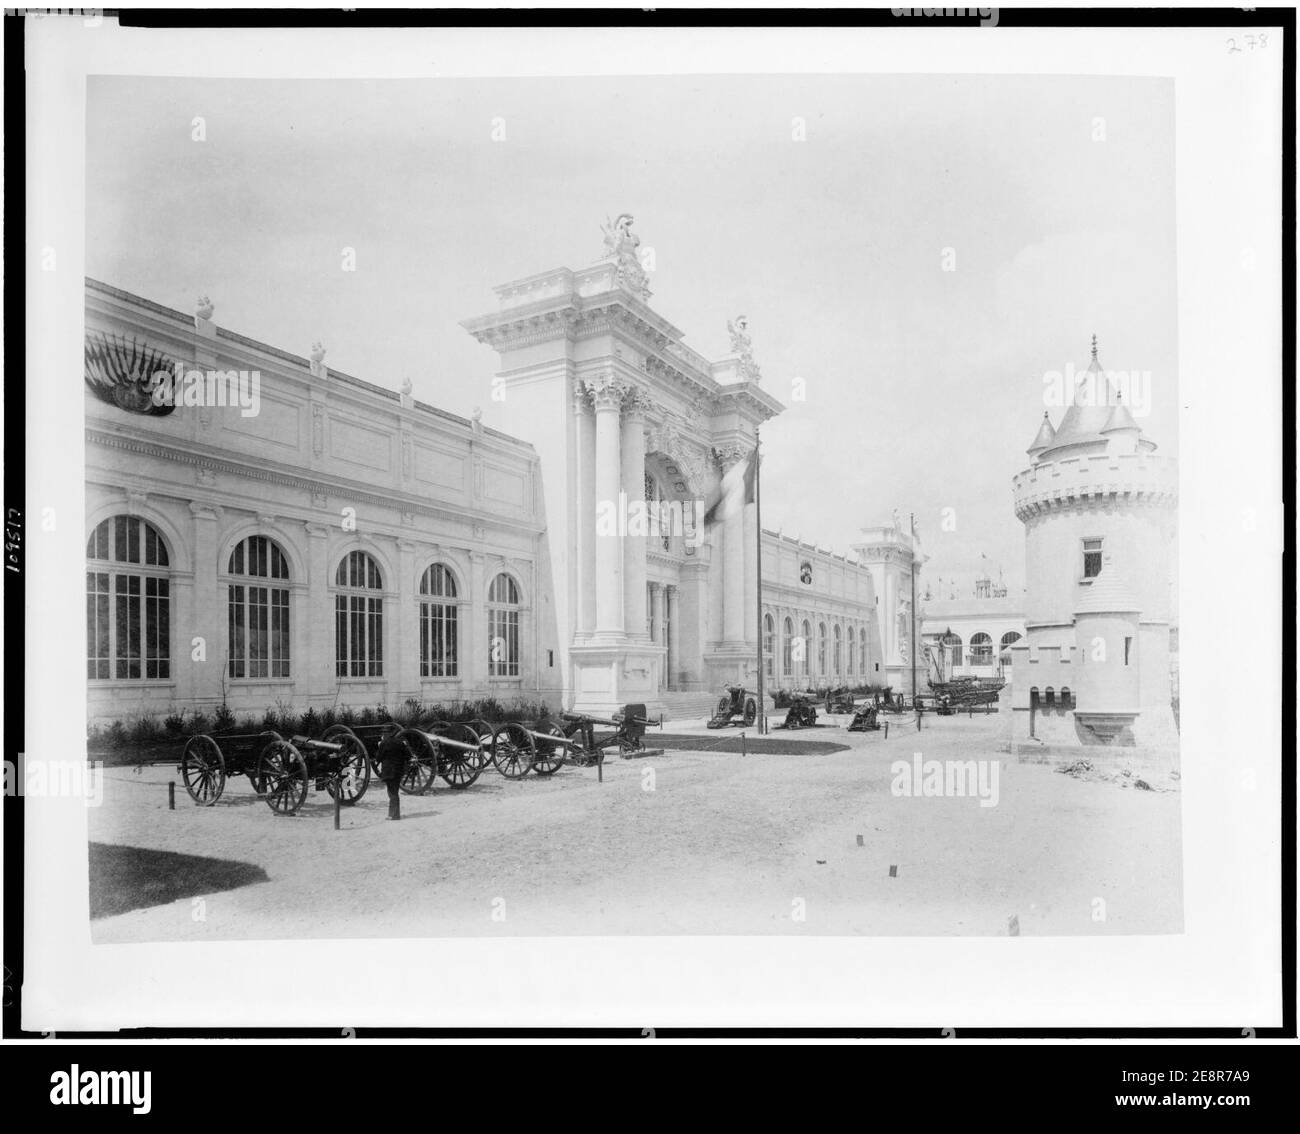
254 769
550 758
282 773
354 769
203 769
457 767
751 712
422 767
513 751
481 730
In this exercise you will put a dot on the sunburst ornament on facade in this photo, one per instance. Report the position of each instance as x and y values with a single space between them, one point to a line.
125 372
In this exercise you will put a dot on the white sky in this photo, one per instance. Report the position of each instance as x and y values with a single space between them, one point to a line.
923 387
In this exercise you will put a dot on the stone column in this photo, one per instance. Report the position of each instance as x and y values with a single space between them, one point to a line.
657 613
733 568
716 588
674 637
608 398
208 617
634 546
584 543
405 680
474 645
750 528
314 668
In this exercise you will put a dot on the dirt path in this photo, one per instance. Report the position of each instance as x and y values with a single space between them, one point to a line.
684 843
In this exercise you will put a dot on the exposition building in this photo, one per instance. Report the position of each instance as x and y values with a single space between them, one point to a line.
332 542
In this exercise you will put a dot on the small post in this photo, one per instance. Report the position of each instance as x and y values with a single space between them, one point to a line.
743 753
886 730
600 766
171 795
338 801
918 718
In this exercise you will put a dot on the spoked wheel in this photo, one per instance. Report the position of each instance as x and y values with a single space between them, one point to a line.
203 769
354 767
458 767
283 775
482 731
513 751
550 757
423 765
751 712
254 770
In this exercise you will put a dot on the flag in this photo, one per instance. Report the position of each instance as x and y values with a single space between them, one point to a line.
735 491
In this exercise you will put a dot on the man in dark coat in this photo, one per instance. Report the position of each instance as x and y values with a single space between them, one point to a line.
394 755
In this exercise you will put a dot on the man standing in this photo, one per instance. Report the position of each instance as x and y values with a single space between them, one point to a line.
394 755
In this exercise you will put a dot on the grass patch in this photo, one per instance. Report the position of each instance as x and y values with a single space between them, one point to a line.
133 878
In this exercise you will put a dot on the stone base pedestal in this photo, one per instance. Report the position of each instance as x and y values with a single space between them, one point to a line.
609 675
730 663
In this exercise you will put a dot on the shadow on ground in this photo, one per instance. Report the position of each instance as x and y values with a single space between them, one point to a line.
132 878
759 745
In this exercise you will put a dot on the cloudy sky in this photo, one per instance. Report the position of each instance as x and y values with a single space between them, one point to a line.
923 386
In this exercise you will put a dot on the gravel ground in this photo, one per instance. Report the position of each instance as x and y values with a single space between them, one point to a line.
722 844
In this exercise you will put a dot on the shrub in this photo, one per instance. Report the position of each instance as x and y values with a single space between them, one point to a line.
115 735
329 718
223 720
310 723
198 722
174 723
143 730
347 715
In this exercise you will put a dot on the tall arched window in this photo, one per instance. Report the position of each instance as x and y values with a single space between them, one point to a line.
358 617
981 649
438 625
852 643
1009 639
503 627
839 652
787 648
257 609
769 645
807 643
821 648
862 652
128 602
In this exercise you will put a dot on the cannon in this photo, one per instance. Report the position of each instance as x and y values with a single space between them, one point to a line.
802 712
839 700
576 742
735 702
279 770
866 719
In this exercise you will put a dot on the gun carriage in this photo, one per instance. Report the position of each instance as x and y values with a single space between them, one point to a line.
279 770
866 719
802 712
735 702
840 701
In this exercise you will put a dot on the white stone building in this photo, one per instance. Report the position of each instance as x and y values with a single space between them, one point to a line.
345 544
1100 510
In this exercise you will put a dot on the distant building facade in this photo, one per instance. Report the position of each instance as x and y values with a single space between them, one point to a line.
972 636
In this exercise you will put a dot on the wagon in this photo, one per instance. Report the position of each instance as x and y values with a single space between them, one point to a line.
573 739
279 770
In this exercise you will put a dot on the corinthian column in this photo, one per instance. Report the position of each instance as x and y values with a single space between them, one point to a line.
733 555
674 635
584 543
608 398
750 526
634 571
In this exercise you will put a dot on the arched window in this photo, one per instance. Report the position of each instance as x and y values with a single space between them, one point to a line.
358 617
257 609
839 653
952 646
805 642
1049 698
769 645
503 627
981 649
821 647
128 602
787 648
862 652
438 624
1009 639
1065 696
852 643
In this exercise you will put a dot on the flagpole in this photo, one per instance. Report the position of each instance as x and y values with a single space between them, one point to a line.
758 568
912 531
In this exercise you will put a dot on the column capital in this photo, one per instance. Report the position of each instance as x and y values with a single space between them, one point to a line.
607 392
728 456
